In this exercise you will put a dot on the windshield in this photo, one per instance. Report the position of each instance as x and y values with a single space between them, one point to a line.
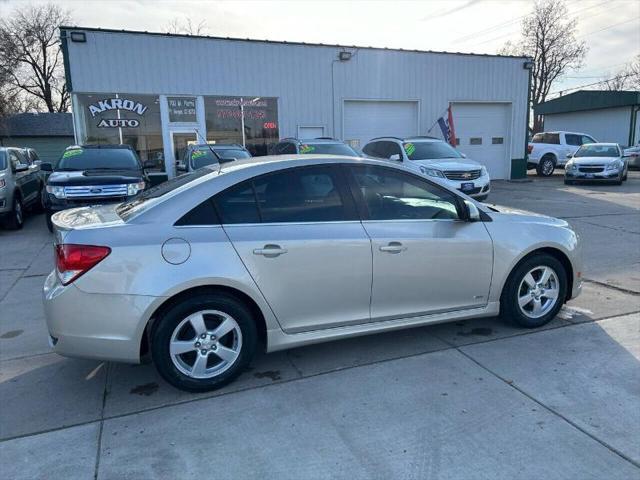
597 151
203 156
329 149
144 200
98 159
430 151
3 161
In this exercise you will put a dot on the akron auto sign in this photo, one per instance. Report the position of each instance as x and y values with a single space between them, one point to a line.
117 104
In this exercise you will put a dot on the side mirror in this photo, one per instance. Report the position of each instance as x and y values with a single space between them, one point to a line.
46 167
473 214
21 167
463 155
396 157
569 155
148 164
227 159
181 167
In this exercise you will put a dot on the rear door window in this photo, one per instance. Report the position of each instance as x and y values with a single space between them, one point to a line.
552 138
371 149
573 139
308 194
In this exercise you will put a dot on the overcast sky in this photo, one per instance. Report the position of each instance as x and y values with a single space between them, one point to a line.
610 28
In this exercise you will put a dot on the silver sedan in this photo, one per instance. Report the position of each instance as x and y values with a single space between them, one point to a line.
277 252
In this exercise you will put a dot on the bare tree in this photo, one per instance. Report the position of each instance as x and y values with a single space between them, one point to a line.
30 55
548 37
187 27
627 78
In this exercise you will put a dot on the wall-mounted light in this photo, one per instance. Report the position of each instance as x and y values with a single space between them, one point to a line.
80 37
344 56
528 65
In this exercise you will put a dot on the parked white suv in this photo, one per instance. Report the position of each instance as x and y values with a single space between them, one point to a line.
435 158
548 150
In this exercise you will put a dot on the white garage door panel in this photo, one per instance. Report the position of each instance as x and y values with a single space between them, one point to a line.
364 120
478 126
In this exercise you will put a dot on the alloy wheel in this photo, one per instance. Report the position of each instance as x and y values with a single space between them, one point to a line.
538 291
547 167
205 344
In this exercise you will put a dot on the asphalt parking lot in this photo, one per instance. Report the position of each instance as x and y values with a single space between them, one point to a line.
465 400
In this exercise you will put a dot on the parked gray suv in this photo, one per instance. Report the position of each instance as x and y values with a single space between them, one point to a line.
20 186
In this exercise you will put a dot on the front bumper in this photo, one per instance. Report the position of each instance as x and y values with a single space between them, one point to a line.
606 176
480 189
98 326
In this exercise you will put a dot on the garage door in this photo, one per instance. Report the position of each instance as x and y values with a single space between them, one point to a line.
483 135
364 120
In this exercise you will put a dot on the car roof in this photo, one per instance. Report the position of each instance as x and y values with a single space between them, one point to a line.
98 146
216 145
311 140
563 131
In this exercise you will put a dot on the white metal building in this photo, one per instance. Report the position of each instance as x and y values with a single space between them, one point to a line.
607 116
159 92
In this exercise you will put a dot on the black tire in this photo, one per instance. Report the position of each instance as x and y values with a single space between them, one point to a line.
15 218
568 182
626 175
618 182
49 221
546 166
509 308
170 320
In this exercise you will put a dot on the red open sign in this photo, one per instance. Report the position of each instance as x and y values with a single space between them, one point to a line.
270 125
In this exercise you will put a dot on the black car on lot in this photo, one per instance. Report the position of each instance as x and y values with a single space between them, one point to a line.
201 155
93 175
323 145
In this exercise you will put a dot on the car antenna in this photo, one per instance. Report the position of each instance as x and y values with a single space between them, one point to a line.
198 134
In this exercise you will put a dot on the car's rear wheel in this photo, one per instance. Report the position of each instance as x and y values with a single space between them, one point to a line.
48 216
535 291
15 219
546 166
204 342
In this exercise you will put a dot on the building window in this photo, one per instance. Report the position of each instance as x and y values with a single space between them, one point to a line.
475 141
122 118
497 140
224 118
182 109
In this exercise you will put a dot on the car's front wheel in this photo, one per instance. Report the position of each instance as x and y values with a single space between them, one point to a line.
535 291
204 342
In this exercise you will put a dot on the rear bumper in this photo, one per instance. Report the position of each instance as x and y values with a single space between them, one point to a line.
111 331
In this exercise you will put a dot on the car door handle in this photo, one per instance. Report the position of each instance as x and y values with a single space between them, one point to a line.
393 247
270 251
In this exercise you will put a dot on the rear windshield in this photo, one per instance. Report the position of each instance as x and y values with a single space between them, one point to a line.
430 150
3 160
328 149
98 158
597 151
203 156
150 197
552 138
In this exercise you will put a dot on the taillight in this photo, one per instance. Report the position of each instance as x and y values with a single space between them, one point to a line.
74 260
529 148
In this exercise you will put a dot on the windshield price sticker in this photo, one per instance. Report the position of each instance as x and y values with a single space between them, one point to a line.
307 148
409 148
72 153
198 154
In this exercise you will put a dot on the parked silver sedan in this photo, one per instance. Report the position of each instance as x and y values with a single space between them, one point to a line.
597 162
278 252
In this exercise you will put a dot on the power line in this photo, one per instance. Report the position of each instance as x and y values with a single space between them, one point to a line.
592 84
500 25
608 27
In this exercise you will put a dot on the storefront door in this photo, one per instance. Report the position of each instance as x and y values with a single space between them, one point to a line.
179 143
